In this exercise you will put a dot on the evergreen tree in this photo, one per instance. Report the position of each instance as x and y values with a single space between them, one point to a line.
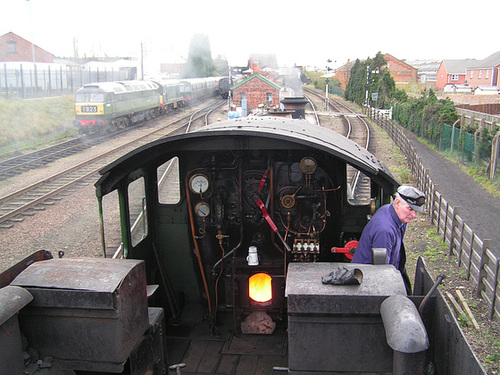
370 75
355 89
199 62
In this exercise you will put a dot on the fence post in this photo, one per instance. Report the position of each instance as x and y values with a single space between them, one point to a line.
471 248
22 81
392 125
431 203
61 77
6 84
476 146
70 85
482 265
494 155
456 211
461 243
453 137
445 221
50 81
439 213
425 186
495 286
35 71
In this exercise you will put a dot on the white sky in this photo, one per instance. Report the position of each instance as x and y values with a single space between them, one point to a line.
302 33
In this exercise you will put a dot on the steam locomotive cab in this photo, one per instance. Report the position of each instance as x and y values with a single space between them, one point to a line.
242 200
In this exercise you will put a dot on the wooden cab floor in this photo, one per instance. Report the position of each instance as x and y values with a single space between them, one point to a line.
195 344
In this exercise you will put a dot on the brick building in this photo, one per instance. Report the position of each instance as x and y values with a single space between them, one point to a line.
15 48
343 74
484 72
255 92
401 72
452 72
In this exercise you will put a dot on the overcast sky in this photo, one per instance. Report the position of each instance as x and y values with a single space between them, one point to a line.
302 33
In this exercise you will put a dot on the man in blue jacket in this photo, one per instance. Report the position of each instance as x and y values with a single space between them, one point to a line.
387 227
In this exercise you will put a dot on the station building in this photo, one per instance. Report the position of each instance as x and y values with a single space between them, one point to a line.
255 92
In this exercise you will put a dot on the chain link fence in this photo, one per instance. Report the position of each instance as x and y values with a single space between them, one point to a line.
472 146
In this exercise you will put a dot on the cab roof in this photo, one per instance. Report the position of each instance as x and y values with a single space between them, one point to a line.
261 133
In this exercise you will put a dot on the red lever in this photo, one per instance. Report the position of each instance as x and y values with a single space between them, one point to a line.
348 250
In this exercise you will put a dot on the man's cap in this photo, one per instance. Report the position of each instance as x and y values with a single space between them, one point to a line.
414 197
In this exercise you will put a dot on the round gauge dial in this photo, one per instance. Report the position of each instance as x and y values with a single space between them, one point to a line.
202 209
199 183
308 165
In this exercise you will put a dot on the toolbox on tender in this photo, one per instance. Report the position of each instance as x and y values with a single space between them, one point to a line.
338 328
87 312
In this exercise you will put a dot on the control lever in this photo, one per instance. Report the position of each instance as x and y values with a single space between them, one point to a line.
348 250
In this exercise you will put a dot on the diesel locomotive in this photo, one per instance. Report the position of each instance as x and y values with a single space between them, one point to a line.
112 105
227 235
107 106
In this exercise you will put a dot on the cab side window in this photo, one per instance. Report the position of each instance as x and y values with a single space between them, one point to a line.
137 210
169 191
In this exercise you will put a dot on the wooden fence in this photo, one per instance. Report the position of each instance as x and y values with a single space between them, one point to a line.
473 254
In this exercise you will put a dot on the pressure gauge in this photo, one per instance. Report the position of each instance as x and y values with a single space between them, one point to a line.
198 183
202 209
308 165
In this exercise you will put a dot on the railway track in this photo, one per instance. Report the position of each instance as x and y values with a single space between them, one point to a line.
15 165
358 130
28 200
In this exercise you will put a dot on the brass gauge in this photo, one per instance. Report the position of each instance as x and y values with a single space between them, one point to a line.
308 165
198 183
202 209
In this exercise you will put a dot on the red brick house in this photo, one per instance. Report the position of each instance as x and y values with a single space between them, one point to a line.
15 48
343 73
453 72
255 92
484 72
401 72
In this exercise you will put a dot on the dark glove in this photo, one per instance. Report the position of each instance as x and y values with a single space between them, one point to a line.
343 276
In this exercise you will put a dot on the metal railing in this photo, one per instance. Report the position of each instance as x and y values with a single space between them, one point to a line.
27 80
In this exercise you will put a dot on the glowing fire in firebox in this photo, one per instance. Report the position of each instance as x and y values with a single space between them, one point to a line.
260 288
